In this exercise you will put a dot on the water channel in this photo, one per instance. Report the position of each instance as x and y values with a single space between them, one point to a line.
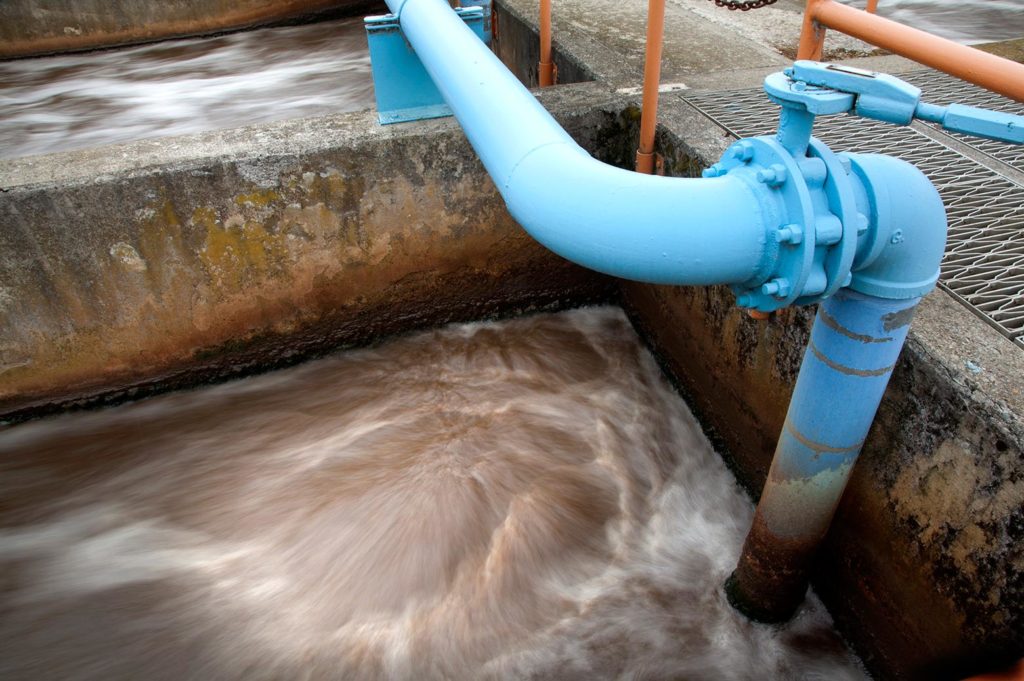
524 499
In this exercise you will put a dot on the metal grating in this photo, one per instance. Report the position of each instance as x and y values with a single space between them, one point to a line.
942 89
984 263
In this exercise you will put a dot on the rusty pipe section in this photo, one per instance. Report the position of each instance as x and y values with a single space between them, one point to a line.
652 77
855 342
993 73
546 68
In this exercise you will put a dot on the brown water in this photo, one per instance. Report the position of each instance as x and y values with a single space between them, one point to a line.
526 499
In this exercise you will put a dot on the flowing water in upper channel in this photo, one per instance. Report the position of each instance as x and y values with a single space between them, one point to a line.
183 86
524 499
177 87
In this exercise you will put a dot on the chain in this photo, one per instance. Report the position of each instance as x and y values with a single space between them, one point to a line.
744 5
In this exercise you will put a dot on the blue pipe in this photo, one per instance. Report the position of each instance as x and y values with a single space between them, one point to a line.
855 342
646 228
783 207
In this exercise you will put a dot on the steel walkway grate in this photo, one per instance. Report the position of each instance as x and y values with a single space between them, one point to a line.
984 263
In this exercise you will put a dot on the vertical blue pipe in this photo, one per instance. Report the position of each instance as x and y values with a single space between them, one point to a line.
855 342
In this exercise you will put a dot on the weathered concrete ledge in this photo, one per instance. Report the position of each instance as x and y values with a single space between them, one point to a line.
170 262
33 27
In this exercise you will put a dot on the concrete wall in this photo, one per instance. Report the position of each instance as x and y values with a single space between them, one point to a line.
30 27
923 569
168 262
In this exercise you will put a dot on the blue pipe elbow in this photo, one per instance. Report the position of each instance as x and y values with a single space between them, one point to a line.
899 256
634 226
640 227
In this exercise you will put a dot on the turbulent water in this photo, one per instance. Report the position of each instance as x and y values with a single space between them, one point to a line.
526 499
182 86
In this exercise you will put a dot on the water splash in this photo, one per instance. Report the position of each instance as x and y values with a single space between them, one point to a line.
525 499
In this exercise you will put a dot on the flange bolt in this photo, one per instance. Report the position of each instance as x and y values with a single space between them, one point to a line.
743 151
778 287
773 176
790 234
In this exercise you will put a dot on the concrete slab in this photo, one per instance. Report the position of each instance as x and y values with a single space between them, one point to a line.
162 264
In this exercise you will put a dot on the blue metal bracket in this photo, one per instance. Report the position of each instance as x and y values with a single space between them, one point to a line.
886 98
403 89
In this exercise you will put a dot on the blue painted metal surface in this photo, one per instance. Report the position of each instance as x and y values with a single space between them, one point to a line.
835 235
641 227
899 256
886 247
855 343
402 88
886 98
782 218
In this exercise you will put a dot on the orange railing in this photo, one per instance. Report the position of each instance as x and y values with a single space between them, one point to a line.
545 69
967 63
645 161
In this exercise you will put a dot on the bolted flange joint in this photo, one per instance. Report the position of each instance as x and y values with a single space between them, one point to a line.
812 201
833 215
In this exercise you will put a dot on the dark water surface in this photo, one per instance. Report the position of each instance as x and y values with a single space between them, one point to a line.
526 499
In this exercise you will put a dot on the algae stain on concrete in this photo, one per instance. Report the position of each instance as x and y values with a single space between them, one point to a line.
161 245
259 199
237 251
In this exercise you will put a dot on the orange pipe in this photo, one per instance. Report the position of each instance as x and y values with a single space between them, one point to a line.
652 75
974 66
872 6
545 69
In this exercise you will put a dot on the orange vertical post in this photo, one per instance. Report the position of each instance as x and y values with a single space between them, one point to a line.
652 77
812 34
872 6
545 69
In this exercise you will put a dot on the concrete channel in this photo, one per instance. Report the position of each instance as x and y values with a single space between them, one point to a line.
166 263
